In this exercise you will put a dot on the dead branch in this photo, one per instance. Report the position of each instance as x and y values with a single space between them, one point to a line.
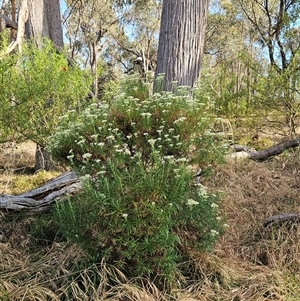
263 155
282 218
8 22
274 150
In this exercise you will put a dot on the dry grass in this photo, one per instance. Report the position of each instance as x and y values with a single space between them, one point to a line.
15 162
250 262
17 155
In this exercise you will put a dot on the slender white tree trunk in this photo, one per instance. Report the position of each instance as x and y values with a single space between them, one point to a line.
181 41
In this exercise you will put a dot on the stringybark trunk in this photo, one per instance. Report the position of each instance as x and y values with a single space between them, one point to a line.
181 41
45 21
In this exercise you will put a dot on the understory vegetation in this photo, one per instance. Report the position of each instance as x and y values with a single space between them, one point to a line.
145 227
249 261
164 212
141 208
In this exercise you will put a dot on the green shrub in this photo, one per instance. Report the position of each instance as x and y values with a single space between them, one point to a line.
140 208
36 87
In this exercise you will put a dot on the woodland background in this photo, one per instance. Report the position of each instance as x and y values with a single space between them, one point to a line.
126 233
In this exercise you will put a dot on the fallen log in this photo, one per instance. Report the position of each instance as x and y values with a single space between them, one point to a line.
9 23
262 155
42 198
281 218
274 150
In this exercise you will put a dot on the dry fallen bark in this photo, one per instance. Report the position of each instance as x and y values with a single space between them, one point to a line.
42 198
282 218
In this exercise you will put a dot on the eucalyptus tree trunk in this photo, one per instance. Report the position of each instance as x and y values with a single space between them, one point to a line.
44 20
13 18
181 41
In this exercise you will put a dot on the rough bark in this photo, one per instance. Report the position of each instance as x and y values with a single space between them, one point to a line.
42 198
45 21
13 16
43 160
181 41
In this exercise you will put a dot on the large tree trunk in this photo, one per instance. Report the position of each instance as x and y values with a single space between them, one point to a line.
44 21
181 41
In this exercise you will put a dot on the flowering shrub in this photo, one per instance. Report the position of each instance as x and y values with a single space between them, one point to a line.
176 126
141 207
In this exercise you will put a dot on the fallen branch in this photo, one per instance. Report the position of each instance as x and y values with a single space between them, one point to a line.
282 218
274 150
42 198
263 155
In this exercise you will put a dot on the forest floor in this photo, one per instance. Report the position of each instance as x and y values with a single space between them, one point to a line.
250 262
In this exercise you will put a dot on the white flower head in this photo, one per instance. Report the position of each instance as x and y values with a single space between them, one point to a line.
85 177
214 232
179 120
169 157
152 142
110 137
191 202
80 142
147 114
86 156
